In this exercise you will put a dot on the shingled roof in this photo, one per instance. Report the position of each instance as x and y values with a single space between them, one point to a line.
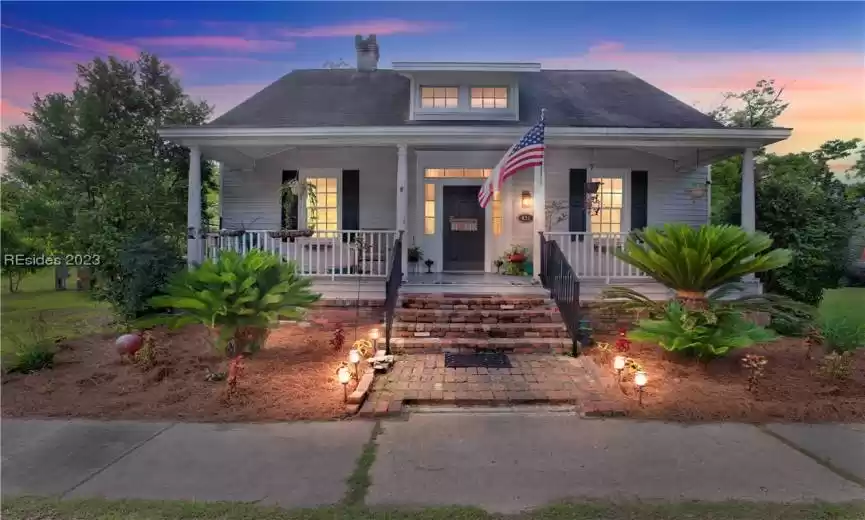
573 98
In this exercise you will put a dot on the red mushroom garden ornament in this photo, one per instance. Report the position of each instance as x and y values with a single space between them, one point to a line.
128 344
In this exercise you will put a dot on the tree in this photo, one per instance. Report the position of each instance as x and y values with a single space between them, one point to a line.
90 170
16 250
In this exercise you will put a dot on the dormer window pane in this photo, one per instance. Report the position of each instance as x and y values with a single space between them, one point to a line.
439 97
489 97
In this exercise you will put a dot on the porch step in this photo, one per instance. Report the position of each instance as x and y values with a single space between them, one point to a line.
479 330
475 302
543 315
470 345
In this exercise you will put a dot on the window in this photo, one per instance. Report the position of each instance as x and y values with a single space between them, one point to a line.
486 97
607 218
324 214
497 213
439 97
429 209
466 173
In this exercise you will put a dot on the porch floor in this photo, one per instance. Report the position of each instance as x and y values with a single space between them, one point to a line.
470 283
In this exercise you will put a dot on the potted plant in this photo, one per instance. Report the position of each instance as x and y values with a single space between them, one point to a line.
415 255
293 192
517 254
429 263
498 263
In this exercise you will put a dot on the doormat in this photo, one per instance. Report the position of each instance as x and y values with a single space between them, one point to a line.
480 360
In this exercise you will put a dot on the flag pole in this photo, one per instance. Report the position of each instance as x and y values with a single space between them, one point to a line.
539 213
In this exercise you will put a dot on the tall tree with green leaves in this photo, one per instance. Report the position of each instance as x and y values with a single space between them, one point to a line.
90 170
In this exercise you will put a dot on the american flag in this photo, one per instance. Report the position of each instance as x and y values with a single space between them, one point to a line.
526 153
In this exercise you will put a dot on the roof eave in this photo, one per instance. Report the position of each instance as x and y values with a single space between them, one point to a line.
489 135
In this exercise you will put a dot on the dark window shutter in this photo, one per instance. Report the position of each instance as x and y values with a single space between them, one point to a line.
577 202
639 199
288 176
350 201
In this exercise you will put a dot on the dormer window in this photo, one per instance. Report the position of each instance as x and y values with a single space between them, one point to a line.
489 97
439 97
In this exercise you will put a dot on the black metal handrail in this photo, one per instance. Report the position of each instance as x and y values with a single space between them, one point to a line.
394 280
559 278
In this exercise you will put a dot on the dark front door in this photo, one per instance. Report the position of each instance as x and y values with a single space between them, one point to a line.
463 225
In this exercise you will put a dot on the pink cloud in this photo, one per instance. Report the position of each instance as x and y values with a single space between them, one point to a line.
20 83
81 41
606 47
11 115
222 43
378 27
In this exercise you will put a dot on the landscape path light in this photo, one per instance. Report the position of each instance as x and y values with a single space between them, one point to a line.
640 379
354 359
344 375
619 365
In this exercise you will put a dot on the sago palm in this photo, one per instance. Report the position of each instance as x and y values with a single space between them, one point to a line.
694 261
239 297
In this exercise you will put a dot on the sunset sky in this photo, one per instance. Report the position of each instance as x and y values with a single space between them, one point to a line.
226 51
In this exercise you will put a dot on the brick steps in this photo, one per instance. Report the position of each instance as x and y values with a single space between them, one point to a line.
470 345
478 316
479 330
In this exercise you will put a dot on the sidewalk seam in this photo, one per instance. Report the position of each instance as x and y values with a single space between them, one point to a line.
115 461
813 456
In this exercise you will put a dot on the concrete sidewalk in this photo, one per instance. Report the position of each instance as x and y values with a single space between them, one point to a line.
501 462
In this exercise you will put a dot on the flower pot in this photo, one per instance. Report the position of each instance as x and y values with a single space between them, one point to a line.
517 258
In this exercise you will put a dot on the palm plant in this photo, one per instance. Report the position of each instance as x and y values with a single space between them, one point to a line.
694 261
239 298
703 333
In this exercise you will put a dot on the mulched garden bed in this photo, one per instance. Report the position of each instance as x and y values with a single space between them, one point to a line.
790 390
293 377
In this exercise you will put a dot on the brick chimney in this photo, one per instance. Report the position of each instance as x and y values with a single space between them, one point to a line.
367 53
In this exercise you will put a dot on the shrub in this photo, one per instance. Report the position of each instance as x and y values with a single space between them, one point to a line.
694 261
238 297
840 336
796 323
702 333
145 265
836 367
29 349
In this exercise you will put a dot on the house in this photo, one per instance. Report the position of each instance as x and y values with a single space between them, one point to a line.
404 151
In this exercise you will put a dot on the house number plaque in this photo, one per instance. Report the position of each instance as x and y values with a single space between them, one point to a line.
464 224
526 217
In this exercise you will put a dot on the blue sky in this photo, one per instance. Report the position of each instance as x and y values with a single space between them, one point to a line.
225 51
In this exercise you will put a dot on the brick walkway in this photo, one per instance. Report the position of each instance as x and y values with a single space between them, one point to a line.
533 379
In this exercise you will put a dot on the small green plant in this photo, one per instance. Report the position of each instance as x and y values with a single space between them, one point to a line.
701 333
836 367
239 298
29 349
840 336
337 341
755 365
415 254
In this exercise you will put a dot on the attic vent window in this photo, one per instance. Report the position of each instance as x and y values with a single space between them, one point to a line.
486 97
439 97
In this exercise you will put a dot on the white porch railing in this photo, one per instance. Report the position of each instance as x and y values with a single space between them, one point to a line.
341 253
591 254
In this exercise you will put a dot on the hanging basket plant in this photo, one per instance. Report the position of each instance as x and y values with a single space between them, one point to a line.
292 233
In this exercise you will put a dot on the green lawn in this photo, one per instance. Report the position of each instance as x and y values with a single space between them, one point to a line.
67 313
98 509
847 304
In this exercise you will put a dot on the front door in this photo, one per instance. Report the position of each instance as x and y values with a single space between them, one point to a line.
463 226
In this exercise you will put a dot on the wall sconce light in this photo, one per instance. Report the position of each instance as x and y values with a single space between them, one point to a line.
526 201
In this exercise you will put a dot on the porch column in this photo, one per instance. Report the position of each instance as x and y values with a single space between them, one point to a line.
402 202
193 213
749 218
539 220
